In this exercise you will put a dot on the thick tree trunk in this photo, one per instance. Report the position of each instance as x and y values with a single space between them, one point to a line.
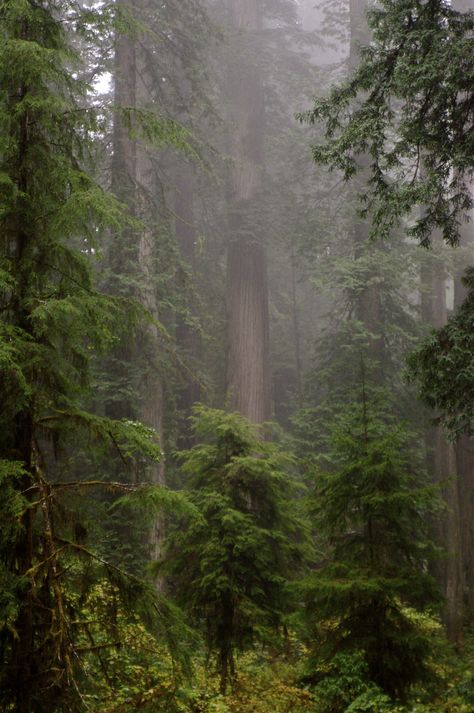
123 182
249 378
441 462
249 372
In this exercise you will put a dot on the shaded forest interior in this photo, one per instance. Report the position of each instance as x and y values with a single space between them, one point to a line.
236 356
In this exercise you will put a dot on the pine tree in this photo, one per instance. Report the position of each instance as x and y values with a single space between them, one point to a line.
389 123
370 518
229 565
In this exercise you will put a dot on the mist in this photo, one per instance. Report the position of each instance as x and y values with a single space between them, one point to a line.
236 362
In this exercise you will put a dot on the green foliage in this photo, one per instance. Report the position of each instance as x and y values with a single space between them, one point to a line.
443 367
123 665
229 567
407 108
370 516
345 686
12 504
53 322
266 683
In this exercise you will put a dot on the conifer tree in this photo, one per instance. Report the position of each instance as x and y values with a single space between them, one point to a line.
370 518
52 321
229 564
408 103
249 383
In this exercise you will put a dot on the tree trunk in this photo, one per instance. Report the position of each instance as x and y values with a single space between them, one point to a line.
134 183
186 336
441 462
465 446
123 183
296 328
151 402
369 300
249 378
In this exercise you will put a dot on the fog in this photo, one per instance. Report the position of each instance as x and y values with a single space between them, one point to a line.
235 357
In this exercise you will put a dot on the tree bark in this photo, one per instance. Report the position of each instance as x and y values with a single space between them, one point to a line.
133 182
441 463
465 447
123 183
369 300
186 336
249 376
151 402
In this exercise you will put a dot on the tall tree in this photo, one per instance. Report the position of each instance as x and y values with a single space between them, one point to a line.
133 254
441 458
464 445
53 320
415 55
186 335
249 381
368 307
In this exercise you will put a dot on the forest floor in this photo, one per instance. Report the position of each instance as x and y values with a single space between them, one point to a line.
271 683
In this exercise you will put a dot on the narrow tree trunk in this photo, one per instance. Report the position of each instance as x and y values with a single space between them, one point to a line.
186 336
296 329
369 300
249 378
124 148
465 445
441 462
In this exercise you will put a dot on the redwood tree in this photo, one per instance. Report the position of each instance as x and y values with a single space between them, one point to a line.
248 330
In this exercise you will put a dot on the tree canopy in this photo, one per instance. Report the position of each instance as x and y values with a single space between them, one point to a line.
405 115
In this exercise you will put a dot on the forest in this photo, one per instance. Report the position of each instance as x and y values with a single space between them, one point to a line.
236 356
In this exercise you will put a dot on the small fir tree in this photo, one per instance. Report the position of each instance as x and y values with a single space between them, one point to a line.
370 514
229 565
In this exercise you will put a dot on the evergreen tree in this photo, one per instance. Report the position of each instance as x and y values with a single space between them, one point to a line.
382 125
229 565
370 518
52 321
409 103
